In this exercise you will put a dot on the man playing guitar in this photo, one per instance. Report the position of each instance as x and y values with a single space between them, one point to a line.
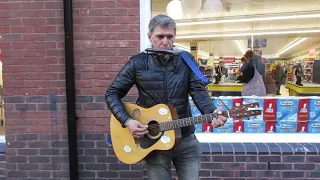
163 78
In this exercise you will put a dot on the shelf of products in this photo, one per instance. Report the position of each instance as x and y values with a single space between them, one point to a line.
280 115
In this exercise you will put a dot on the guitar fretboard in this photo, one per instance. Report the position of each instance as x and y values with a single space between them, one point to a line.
179 123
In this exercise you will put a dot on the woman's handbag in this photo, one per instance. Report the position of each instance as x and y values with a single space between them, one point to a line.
255 87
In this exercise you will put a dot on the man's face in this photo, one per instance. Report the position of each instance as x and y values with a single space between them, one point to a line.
162 37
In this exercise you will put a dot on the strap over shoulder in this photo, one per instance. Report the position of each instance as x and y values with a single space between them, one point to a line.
186 57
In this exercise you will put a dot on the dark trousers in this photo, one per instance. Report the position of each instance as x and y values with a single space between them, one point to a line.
185 157
298 80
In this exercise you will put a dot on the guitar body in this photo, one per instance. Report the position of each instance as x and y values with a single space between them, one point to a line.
130 150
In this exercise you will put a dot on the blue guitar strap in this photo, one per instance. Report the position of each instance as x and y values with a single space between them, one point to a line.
194 67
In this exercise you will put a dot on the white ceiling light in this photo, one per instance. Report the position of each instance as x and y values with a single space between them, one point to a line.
202 53
191 7
211 7
174 9
302 16
246 34
240 47
290 46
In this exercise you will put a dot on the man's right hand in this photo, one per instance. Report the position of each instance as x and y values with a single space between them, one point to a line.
137 129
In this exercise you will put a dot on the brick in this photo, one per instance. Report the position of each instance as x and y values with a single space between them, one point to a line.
94 106
38 144
222 173
18 173
270 158
89 174
50 151
223 158
17 159
130 174
292 174
39 174
241 173
94 137
256 166
39 159
315 159
96 167
28 152
233 166
314 174
211 165
28 166
88 159
294 158
86 144
107 159
305 166
14 99
108 174
27 137
277 166
246 158
118 166
269 173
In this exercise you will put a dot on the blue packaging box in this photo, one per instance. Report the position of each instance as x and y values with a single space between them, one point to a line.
314 127
222 102
286 126
252 99
314 112
254 126
287 109
198 128
226 128
194 110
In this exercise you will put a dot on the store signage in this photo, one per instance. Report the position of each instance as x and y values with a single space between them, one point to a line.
257 43
229 59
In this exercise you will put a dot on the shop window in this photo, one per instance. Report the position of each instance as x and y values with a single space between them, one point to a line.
285 35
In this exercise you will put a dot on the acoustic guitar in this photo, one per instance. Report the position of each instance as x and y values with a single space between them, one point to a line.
164 128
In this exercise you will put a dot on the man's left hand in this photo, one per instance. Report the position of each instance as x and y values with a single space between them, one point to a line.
220 120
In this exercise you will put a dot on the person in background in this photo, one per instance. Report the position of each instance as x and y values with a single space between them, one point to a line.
279 77
163 77
220 71
298 73
246 71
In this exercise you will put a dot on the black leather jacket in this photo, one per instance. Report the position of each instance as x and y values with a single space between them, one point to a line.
159 80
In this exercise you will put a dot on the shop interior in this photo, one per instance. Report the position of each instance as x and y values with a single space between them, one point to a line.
285 32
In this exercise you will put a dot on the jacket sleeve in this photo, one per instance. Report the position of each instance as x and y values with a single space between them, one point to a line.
199 94
118 89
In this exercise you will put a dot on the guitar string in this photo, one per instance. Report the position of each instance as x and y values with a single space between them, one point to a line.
157 126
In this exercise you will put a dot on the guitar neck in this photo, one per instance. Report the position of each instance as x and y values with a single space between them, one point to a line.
179 123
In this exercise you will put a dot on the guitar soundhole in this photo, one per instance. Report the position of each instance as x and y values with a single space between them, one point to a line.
154 129
152 137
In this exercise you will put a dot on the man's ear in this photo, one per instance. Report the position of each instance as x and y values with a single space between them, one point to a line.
149 37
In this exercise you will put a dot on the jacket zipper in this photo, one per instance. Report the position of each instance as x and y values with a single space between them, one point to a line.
165 85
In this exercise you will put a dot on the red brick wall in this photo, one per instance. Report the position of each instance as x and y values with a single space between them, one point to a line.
106 33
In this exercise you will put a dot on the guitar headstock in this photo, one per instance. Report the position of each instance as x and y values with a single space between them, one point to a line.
246 110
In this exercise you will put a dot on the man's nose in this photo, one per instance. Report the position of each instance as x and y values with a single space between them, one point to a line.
165 41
